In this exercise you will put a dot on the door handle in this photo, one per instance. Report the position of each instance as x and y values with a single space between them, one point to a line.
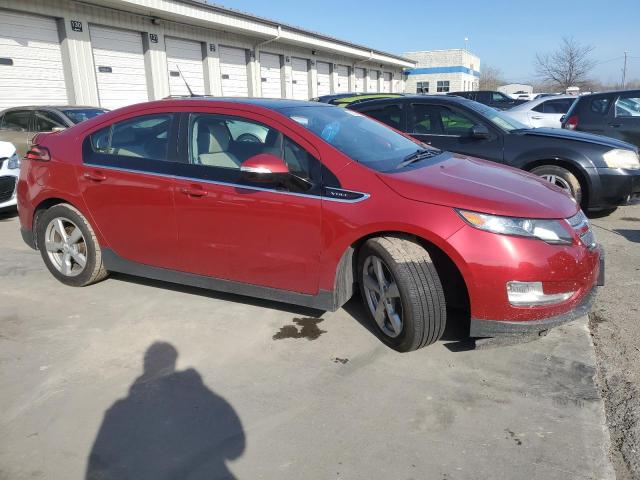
536 117
194 191
615 125
94 176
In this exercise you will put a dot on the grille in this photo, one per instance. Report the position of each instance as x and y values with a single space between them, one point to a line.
7 187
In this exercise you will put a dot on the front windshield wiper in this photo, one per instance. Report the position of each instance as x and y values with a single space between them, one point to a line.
419 154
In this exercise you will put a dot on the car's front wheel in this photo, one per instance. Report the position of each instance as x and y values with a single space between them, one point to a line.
402 292
561 177
69 246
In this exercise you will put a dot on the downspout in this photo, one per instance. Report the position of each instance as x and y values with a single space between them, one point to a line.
364 60
256 57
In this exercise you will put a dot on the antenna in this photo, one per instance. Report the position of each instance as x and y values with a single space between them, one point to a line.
191 94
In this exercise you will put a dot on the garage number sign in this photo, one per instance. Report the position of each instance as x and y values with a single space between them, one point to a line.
76 26
153 38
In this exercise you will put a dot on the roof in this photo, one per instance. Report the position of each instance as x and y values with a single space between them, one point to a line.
270 103
52 107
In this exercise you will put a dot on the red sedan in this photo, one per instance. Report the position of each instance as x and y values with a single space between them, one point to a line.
305 203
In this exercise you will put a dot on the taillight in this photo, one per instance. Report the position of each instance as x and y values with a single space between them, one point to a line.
571 123
38 153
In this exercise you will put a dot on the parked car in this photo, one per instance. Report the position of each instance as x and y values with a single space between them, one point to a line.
542 112
599 172
344 99
329 202
491 98
9 171
18 125
614 114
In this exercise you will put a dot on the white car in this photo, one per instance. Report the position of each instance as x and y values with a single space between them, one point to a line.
542 112
9 172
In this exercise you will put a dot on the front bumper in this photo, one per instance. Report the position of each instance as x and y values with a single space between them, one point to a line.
618 186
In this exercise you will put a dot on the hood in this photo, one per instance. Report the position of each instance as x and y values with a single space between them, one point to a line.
576 136
6 149
481 186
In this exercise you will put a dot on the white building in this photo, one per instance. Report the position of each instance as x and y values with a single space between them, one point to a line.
117 52
441 71
515 89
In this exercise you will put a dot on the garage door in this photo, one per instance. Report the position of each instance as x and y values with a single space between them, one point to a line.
184 56
30 61
343 79
373 81
324 78
119 62
270 75
300 78
233 69
359 75
386 82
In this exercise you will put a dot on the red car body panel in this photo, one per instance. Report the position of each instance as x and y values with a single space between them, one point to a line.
295 243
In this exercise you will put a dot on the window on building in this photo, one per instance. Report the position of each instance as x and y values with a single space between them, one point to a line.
422 87
443 86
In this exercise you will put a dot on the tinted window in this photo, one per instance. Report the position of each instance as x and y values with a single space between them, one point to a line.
455 123
355 135
560 106
222 143
16 120
390 114
628 106
425 119
47 121
499 97
600 106
143 137
539 108
78 115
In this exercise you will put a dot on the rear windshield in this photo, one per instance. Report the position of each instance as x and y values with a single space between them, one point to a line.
357 136
78 115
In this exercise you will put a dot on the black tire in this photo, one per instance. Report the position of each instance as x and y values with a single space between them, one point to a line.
565 179
421 300
94 269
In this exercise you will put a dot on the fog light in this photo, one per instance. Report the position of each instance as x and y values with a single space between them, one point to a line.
530 294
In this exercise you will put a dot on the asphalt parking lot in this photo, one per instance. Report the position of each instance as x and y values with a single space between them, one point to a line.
133 377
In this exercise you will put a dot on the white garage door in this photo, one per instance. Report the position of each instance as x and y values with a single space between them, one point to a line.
270 75
300 78
233 69
30 61
324 78
359 75
373 81
386 82
343 79
119 64
184 56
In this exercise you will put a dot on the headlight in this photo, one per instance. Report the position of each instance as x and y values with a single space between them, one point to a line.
550 231
14 162
620 158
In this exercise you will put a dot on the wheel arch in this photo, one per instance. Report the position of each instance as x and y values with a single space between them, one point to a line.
574 167
46 203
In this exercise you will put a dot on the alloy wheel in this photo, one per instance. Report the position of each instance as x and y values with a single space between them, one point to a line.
66 246
382 296
558 182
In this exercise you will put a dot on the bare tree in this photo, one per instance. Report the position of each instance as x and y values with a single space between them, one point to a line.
490 78
568 66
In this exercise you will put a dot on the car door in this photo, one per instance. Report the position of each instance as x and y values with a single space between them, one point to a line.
241 230
126 180
548 113
625 121
450 128
15 128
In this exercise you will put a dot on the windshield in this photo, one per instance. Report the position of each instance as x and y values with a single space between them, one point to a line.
498 118
359 137
78 115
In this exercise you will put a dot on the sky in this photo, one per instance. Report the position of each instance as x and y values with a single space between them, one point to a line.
504 34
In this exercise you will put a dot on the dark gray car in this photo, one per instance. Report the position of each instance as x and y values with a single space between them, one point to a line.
19 125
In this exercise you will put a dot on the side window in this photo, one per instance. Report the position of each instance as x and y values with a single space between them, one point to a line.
390 115
540 108
557 106
425 119
498 97
600 106
47 121
455 123
142 137
17 120
219 144
628 106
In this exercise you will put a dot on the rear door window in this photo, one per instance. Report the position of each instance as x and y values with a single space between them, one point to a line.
599 106
47 121
17 120
389 114
559 106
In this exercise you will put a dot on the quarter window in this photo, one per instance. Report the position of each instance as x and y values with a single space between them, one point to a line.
628 107
47 121
600 106
16 120
442 86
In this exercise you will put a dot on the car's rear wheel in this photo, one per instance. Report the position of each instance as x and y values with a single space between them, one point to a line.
561 177
69 246
402 292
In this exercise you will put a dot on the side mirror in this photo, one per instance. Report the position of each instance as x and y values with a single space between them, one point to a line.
563 118
264 167
479 131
